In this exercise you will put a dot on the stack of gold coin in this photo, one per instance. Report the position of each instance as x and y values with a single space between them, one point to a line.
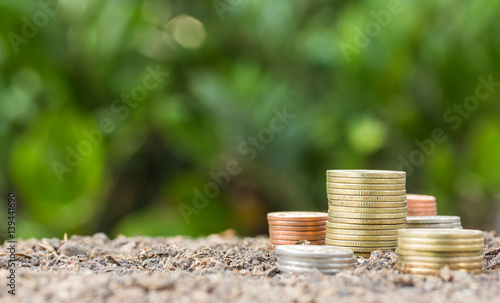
366 209
426 251
421 205
290 227
306 258
433 222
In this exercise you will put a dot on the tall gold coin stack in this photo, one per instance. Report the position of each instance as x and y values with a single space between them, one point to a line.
433 222
290 227
366 209
427 251
421 205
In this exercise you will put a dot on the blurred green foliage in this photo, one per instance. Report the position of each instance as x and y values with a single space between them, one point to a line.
230 63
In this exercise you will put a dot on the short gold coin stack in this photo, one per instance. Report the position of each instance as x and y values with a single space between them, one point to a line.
427 251
366 209
433 222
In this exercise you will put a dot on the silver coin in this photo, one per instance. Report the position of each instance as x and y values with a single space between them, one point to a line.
316 265
366 173
432 219
314 261
302 270
313 251
434 224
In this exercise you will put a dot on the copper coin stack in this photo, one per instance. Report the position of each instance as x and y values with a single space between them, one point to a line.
366 209
292 227
421 205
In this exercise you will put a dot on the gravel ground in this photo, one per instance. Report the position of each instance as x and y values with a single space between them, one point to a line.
220 268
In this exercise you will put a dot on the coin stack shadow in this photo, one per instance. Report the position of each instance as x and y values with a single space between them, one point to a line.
366 209
291 227
306 258
433 222
421 205
427 251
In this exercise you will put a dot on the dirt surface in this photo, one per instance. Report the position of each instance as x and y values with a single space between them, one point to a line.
220 268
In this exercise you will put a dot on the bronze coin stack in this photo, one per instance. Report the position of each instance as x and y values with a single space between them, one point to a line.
293 227
366 209
421 205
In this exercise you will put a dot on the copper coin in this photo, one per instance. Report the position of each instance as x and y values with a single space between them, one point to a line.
294 233
284 242
434 208
421 208
298 223
297 216
297 238
421 205
422 198
298 228
422 213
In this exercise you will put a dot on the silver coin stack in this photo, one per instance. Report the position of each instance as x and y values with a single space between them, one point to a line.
433 222
308 258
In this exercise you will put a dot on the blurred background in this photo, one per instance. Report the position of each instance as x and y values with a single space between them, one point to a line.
261 98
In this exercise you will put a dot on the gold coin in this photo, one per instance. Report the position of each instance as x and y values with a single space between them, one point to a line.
430 271
441 260
407 253
364 255
366 173
366 198
365 192
370 227
360 238
359 204
364 180
441 248
473 265
358 232
337 214
366 186
369 210
442 233
366 221
342 243
357 249
441 241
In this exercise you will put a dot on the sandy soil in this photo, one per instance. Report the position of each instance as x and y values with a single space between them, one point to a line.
220 268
